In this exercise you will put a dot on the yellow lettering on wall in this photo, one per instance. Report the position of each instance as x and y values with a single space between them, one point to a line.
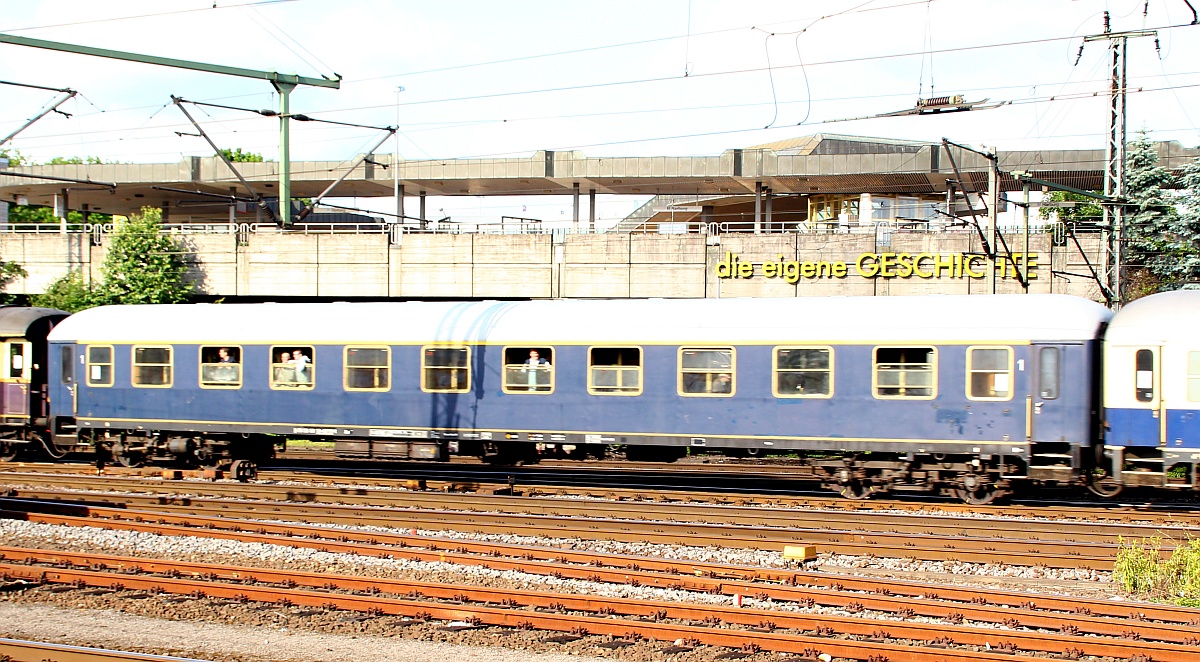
745 269
969 262
865 270
1030 266
791 272
769 269
838 270
724 268
917 265
904 267
942 262
808 269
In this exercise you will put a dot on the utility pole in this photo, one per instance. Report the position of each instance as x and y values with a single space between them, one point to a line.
284 84
1114 151
992 208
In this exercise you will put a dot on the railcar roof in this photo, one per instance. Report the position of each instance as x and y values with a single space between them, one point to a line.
16 320
976 318
1169 316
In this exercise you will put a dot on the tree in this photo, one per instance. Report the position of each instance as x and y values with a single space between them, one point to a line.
238 156
75 160
1179 264
9 271
15 157
69 293
143 265
31 214
1086 210
1149 212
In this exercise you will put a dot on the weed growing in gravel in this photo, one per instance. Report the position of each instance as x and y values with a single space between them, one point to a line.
1141 571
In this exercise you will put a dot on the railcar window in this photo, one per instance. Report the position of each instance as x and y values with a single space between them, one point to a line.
151 367
528 370
100 365
706 371
67 354
1048 373
1193 376
293 367
615 370
220 366
16 360
368 368
989 373
1144 375
803 372
904 372
446 369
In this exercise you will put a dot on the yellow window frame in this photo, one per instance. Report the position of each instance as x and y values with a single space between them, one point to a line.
221 386
641 377
1010 371
775 372
346 368
549 388
277 385
134 365
466 367
710 372
88 363
933 371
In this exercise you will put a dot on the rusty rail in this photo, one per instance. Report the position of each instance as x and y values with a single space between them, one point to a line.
16 650
762 623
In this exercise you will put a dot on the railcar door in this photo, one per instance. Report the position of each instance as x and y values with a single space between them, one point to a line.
14 378
1058 406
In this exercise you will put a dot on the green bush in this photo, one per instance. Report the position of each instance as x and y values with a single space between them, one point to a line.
1141 571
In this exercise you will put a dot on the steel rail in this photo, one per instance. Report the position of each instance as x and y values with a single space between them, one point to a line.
797 586
1189 635
769 620
17 650
494 480
925 546
787 584
928 524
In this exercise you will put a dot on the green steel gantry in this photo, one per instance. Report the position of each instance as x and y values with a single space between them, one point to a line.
283 83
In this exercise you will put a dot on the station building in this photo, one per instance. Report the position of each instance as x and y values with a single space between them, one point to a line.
814 216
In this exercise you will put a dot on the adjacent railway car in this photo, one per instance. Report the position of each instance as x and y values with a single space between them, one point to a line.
23 378
1152 392
960 394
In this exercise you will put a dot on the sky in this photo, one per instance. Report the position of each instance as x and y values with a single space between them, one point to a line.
476 79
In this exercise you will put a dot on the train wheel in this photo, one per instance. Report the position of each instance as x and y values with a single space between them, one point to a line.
128 458
977 496
1105 487
856 490
9 451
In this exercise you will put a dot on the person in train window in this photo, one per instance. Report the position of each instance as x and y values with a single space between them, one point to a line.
536 370
225 372
285 373
301 364
722 384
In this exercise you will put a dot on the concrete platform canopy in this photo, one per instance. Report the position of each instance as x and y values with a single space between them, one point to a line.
811 165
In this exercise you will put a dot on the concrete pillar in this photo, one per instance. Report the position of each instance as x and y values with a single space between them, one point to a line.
233 205
706 218
769 200
575 204
758 189
399 203
166 211
591 210
60 210
422 210
864 209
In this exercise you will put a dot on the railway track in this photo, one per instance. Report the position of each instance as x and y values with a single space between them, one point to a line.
492 481
876 618
901 535
16 650
897 637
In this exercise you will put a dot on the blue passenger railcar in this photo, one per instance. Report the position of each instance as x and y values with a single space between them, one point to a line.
957 393
1152 391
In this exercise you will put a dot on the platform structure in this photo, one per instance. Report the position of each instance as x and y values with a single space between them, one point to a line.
824 200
